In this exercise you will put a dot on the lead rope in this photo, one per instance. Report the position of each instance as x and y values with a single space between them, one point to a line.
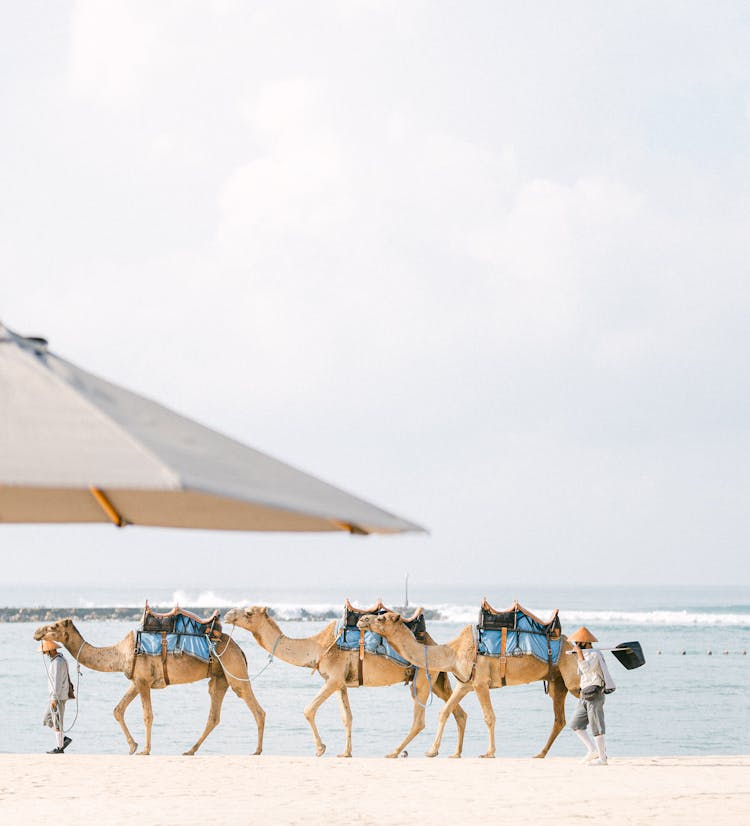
429 683
212 647
335 640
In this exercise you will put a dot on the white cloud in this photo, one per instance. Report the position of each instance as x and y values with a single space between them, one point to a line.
113 47
296 187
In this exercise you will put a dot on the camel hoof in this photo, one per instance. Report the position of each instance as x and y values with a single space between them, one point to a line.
539 756
188 753
431 753
344 754
321 751
133 747
257 752
392 755
144 753
487 756
456 756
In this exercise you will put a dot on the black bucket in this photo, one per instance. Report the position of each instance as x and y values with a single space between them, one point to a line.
630 654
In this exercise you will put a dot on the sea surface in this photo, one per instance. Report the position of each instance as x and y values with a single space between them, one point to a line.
683 701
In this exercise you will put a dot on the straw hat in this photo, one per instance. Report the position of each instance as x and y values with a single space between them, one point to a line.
48 645
582 635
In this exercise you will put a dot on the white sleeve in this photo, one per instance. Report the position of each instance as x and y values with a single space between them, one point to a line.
53 678
609 683
58 679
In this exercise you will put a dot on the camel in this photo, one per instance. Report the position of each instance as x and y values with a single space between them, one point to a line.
459 657
339 669
145 673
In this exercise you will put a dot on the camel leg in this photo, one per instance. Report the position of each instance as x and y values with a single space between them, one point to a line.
483 695
442 688
417 723
148 716
217 688
325 692
245 692
459 692
558 692
119 713
346 719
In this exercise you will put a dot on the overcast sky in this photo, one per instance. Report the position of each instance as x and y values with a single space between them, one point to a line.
486 267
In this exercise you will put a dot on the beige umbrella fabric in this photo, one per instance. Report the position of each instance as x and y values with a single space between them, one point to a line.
76 448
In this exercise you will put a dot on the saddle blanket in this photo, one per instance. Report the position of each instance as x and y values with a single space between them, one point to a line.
150 643
348 639
529 638
188 638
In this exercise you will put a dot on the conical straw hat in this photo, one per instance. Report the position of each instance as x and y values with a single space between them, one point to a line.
48 645
582 635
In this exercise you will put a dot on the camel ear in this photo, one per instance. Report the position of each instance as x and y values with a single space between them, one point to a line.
264 610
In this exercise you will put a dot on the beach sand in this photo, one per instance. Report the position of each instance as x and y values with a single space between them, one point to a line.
286 790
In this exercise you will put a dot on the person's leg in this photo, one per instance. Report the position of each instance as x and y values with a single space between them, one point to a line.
596 717
60 713
578 724
51 719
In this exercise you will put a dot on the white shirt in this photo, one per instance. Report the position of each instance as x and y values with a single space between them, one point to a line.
593 670
58 678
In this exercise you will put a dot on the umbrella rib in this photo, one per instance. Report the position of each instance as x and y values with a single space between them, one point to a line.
107 507
348 526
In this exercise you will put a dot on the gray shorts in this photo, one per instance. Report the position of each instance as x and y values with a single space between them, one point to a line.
589 711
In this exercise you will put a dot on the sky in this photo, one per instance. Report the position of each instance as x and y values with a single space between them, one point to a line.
484 266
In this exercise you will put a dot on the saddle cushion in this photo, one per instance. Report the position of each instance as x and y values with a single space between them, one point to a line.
525 634
179 621
150 643
186 633
348 639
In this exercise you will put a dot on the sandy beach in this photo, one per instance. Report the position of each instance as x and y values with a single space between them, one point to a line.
289 790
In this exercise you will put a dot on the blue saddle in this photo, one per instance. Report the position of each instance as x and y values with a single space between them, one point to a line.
348 635
348 639
524 633
177 632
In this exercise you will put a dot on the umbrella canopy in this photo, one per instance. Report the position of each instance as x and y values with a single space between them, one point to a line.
76 448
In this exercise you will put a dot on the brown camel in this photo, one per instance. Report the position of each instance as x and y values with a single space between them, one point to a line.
145 672
339 669
459 657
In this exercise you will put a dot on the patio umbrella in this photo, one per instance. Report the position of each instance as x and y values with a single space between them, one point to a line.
77 448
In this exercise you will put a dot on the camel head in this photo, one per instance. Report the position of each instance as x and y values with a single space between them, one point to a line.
383 624
248 618
58 631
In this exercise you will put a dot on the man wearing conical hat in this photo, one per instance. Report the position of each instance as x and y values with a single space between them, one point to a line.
60 689
595 683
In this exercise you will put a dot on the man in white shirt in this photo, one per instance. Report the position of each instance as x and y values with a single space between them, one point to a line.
59 690
596 681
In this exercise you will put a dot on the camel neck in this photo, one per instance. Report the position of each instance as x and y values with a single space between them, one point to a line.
302 652
439 657
107 658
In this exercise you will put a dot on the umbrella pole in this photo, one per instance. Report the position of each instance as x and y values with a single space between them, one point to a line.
107 507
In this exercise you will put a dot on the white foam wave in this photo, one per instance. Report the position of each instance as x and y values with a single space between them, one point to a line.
656 618
453 613
574 617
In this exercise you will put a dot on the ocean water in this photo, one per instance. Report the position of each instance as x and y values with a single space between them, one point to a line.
684 701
